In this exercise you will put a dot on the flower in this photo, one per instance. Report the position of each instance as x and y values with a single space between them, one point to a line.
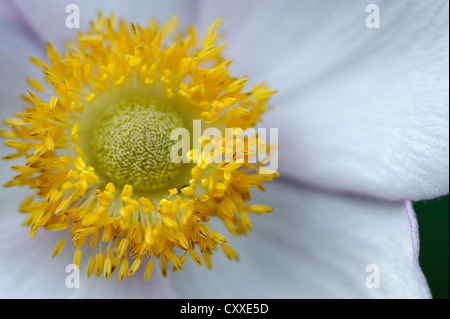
338 110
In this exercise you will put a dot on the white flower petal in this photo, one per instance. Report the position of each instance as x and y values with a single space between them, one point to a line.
27 270
48 17
17 44
358 110
314 245
414 226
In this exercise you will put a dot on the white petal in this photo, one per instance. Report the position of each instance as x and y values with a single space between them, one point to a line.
17 44
414 226
358 110
48 17
27 270
314 245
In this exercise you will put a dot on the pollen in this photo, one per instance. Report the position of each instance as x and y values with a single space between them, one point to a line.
94 140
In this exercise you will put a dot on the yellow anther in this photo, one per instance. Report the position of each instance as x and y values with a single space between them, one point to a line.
218 237
134 267
107 268
123 269
188 191
62 207
75 129
89 177
148 270
59 246
259 209
127 192
110 188
77 257
183 241
14 122
169 222
79 164
91 98
35 84
195 257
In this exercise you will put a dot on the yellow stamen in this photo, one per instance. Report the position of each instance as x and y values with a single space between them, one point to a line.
77 257
148 270
96 152
58 247
90 266
123 269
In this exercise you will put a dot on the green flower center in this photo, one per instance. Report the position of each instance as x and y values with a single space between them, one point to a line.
131 144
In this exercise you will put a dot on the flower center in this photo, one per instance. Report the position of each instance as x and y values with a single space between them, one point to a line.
132 145
119 91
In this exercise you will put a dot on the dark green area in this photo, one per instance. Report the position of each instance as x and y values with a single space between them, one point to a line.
433 218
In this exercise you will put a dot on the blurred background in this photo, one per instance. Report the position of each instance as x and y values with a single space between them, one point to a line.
433 218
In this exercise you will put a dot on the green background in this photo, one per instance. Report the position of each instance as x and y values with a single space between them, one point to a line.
433 219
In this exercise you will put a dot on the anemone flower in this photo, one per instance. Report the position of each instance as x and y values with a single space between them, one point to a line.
362 117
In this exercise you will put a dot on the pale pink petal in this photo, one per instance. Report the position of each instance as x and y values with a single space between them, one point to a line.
27 270
314 245
17 43
358 110
48 17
